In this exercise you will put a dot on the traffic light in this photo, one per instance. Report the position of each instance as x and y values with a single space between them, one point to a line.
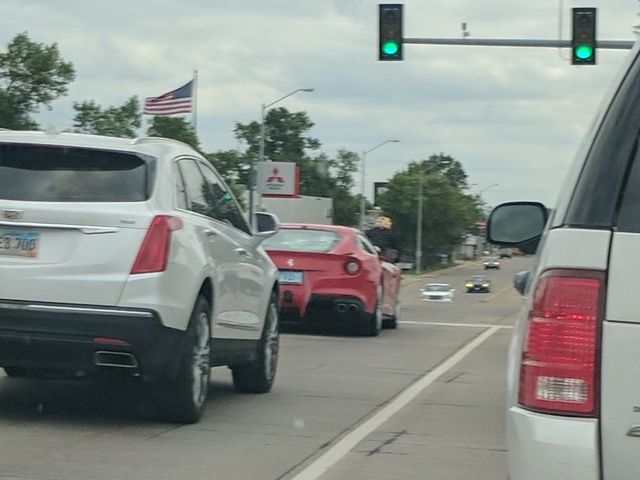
390 32
583 41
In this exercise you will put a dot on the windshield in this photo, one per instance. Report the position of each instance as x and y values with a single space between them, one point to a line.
152 327
437 288
303 240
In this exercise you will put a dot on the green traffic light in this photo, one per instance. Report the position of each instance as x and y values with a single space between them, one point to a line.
390 47
584 52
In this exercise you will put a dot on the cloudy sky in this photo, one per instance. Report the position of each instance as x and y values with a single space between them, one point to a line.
512 116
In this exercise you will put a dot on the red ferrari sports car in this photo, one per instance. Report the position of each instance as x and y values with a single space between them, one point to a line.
332 273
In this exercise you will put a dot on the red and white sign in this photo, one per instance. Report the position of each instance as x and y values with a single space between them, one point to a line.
278 179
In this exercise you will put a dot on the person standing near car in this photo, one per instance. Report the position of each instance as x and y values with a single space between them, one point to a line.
384 237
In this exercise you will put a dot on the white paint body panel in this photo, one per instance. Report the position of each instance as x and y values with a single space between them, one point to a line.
553 447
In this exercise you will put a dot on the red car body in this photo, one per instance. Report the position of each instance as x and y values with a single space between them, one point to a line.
333 273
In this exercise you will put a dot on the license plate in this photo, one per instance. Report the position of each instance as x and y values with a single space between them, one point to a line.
287 276
19 243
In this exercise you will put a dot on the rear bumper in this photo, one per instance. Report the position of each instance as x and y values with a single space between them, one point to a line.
551 447
478 290
307 298
75 337
325 308
431 298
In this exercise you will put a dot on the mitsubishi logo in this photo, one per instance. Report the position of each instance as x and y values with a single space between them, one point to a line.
12 214
290 262
275 176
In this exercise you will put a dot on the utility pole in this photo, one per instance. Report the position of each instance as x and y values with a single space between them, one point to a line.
419 223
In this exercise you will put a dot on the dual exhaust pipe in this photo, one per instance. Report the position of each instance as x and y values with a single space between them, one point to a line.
343 307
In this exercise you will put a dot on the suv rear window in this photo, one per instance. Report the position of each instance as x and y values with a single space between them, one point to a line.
60 174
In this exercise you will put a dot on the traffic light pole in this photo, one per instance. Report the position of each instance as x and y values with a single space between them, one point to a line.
508 42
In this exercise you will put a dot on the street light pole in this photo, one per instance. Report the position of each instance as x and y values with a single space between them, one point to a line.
363 179
487 188
419 223
253 174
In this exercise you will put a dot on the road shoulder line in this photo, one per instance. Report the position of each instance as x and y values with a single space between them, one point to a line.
451 324
347 443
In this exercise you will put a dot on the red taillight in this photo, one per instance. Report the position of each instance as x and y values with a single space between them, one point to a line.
558 372
110 341
352 266
154 252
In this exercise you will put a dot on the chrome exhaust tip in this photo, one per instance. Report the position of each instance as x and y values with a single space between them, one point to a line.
115 359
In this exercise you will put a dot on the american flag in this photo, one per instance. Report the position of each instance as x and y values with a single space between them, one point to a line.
179 100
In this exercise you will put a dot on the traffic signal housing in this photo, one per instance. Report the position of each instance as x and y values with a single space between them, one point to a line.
583 40
390 32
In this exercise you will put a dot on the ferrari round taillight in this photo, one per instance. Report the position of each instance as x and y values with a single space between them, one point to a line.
352 267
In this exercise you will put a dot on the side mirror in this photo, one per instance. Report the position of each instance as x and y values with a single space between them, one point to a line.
517 224
266 225
520 281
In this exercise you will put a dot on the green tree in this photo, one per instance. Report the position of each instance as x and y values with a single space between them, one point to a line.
286 136
32 75
448 167
113 121
226 163
345 205
176 128
447 211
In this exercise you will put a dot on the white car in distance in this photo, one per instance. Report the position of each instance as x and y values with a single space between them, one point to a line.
437 292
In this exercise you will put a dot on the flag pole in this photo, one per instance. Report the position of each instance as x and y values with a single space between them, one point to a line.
195 102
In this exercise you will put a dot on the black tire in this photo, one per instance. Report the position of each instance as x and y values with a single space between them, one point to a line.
15 372
259 375
372 321
184 399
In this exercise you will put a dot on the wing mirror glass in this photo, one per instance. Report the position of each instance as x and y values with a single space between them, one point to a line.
266 224
517 224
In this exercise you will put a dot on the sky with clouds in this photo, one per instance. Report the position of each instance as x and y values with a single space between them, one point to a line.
512 116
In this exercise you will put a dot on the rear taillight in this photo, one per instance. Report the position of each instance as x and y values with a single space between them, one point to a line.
558 372
352 266
154 252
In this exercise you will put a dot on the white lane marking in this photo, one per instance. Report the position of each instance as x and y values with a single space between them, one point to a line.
451 324
353 438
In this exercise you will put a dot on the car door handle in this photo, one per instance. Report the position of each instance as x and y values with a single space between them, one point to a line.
242 252
209 232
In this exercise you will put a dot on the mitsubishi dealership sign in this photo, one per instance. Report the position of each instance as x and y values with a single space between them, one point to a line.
278 179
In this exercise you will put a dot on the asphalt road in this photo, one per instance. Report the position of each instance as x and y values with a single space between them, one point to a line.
424 401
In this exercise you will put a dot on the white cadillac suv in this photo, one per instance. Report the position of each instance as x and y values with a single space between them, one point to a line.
131 255
574 362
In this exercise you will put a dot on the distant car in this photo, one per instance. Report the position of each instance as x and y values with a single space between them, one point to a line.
478 283
492 262
332 273
437 292
505 253
405 265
